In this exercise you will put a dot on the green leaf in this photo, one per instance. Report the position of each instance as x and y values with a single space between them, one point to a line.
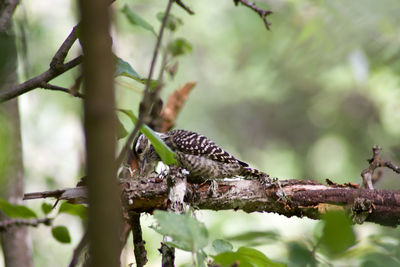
179 47
73 209
61 234
172 22
121 131
123 68
255 238
221 246
187 233
337 234
246 257
165 153
16 211
300 256
135 19
46 208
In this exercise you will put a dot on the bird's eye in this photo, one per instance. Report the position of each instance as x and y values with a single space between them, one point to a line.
139 151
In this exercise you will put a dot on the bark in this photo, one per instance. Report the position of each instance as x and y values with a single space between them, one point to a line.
288 197
104 215
15 245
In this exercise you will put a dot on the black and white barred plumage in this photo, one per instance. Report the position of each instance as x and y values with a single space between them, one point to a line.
197 154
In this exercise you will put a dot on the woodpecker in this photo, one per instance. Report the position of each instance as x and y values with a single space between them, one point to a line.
200 156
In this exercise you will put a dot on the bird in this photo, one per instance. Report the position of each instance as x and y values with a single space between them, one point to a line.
197 154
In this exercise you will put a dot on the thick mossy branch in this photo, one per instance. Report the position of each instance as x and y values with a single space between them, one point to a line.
289 197
292 198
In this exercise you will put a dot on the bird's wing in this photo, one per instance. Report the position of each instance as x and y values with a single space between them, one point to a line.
195 144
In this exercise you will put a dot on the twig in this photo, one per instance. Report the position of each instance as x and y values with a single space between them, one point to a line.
262 12
57 67
75 87
6 14
78 250
392 166
185 7
45 194
62 52
138 242
62 89
72 195
5 224
149 97
375 162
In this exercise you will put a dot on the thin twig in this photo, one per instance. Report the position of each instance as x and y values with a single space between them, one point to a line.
185 7
62 52
392 166
375 162
78 250
149 97
262 12
62 89
5 224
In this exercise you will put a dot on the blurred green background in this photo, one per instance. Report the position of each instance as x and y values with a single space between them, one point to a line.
306 100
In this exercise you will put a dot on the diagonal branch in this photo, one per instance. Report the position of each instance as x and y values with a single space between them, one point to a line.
263 13
37 81
57 67
185 7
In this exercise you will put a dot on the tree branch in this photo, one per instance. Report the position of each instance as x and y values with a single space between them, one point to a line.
57 67
59 57
262 12
78 250
37 81
303 198
138 242
6 224
62 89
185 7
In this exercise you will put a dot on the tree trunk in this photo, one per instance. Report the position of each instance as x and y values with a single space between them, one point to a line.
15 245
104 222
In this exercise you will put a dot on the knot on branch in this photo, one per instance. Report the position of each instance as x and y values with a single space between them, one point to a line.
361 209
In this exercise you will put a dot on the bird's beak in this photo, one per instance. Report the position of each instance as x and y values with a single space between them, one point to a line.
142 165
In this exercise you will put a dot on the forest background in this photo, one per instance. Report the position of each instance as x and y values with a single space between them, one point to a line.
307 99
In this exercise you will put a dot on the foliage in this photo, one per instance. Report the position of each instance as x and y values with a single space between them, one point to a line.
307 99
247 257
61 234
191 235
16 211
